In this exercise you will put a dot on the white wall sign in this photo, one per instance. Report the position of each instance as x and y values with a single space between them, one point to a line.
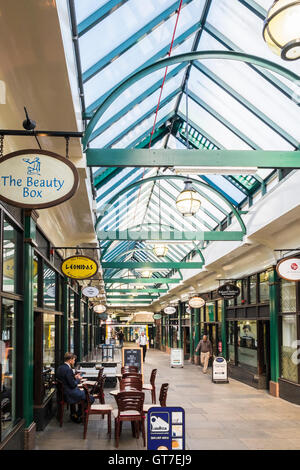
90 291
170 310
36 179
289 269
176 357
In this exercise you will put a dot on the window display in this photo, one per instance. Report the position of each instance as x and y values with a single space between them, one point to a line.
10 258
287 296
7 358
289 368
247 343
264 287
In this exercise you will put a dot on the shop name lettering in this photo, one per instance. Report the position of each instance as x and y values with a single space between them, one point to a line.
79 266
29 183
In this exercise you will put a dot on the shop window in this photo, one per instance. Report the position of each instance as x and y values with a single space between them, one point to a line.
264 287
253 289
245 290
49 287
219 311
7 369
48 353
231 341
289 368
10 259
210 312
71 320
43 244
247 343
239 297
35 281
287 296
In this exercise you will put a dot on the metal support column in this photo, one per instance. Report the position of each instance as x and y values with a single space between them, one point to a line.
28 356
197 335
274 331
192 332
224 330
180 307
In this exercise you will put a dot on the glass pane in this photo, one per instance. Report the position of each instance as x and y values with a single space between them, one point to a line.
49 341
7 358
289 368
239 297
264 287
49 283
287 296
253 289
247 343
10 258
35 281
210 312
71 320
231 341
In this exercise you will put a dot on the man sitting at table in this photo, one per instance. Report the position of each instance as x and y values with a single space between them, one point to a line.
72 394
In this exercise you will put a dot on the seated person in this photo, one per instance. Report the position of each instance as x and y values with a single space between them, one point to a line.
72 393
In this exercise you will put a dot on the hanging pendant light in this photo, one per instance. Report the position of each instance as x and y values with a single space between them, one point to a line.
160 250
146 273
188 201
282 29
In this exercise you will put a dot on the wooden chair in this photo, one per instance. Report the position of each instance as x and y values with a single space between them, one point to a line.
132 374
162 398
95 409
60 401
151 385
130 408
131 382
97 390
129 369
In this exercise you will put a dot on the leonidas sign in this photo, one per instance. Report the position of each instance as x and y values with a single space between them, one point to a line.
36 179
79 267
289 269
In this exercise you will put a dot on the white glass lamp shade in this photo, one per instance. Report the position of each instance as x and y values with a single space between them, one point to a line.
196 302
282 29
160 250
188 201
99 308
146 273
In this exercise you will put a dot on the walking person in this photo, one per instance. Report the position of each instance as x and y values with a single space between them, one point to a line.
121 338
205 348
143 341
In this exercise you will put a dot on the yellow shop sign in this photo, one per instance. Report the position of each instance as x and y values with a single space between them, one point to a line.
79 267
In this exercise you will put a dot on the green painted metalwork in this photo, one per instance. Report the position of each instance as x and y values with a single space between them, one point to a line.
224 330
132 291
192 332
66 315
128 302
150 158
151 265
274 326
196 330
170 236
28 352
187 57
180 307
144 280
181 178
138 297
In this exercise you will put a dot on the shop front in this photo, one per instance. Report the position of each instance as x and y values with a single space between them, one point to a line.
248 332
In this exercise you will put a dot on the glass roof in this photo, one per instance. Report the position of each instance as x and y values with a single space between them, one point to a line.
224 104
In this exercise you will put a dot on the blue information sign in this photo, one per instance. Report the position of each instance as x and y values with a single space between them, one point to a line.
166 428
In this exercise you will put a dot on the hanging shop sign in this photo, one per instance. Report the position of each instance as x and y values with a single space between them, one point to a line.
188 310
289 269
79 267
157 316
196 302
170 310
166 428
100 308
90 291
229 291
36 179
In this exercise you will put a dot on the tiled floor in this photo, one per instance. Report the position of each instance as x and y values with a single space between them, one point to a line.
218 416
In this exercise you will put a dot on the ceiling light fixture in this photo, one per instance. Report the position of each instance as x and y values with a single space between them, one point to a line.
281 29
188 201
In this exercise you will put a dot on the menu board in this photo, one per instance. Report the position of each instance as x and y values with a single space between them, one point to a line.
133 357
